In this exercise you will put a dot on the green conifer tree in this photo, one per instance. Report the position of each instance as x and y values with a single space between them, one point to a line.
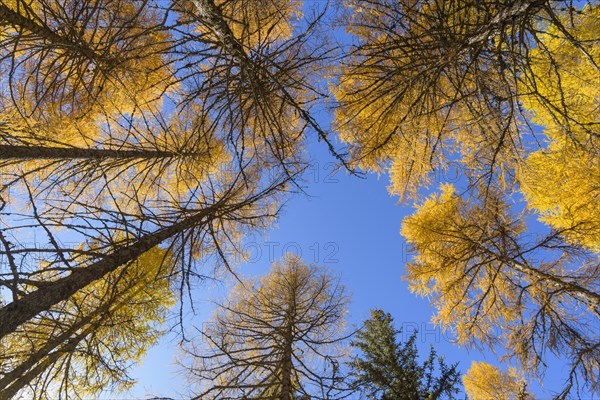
388 369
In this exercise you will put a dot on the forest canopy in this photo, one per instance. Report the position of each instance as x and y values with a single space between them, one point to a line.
139 137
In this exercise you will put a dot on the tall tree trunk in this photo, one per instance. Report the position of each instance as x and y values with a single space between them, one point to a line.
287 391
286 365
507 15
210 15
47 153
21 310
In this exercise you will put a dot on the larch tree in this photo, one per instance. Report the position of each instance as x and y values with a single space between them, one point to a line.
277 337
67 65
196 228
433 84
387 369
502 95
483 381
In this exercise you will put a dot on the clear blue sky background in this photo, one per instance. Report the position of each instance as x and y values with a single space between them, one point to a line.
355 225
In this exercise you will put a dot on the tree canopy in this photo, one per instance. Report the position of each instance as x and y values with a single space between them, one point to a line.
136 137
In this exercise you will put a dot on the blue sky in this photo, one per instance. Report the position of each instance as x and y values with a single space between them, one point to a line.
354 223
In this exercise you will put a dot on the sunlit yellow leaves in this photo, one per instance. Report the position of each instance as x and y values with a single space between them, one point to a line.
385 131
483 381
411 101
565 77
471 288
89 342
492 283
66 85
562 183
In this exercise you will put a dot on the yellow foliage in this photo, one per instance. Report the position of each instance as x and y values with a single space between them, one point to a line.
488 286
123 312
472 290
381 135
565 74
69 93
483 381
411 106
562 183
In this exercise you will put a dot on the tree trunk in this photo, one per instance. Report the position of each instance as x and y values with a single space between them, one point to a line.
287 391
20 311
51 153
211 16
508 15
286 366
